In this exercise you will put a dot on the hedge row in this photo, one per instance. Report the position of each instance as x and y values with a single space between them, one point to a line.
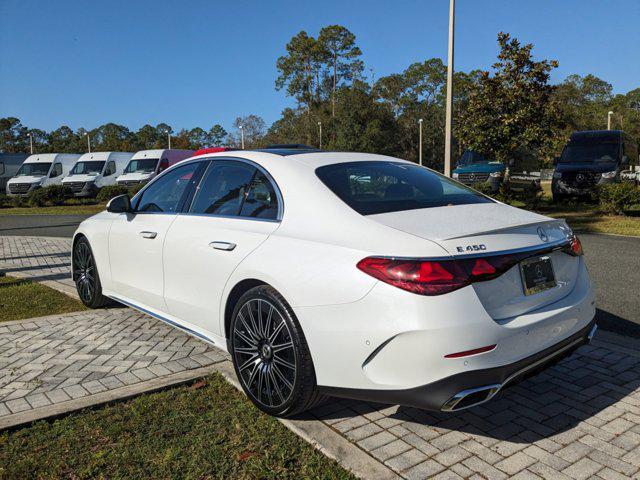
58 194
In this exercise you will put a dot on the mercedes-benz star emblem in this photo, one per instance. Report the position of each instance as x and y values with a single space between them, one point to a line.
543 234
580 178
472 176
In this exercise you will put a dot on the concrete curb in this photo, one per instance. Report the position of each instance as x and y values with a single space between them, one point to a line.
325 439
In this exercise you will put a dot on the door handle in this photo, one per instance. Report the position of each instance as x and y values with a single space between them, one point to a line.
227 246
148 234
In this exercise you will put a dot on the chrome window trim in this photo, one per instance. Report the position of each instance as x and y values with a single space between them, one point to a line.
211 159
258 167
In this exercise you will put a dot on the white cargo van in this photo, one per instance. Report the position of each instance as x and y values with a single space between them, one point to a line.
95 170
41 170
146 164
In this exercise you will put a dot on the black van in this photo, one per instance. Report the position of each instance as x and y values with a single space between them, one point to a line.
592 158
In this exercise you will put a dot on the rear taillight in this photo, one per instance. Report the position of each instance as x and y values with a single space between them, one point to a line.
431 277
575 246
435 277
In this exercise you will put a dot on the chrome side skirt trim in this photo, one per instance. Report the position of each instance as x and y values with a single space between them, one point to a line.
171 323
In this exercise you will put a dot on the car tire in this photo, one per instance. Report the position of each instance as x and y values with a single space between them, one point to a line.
270 354
86 277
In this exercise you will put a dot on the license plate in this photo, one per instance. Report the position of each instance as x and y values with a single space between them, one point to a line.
537 275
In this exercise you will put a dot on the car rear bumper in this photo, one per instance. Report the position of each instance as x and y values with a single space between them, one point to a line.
467 389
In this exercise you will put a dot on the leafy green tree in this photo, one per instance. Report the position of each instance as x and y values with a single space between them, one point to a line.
338 45
13 136
63 140
217 135
513 107
296 69
146 137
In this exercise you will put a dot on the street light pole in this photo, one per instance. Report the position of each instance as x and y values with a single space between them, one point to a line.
30 142
609 120
420 142
86 134
448 120
169 139
242 135
320 135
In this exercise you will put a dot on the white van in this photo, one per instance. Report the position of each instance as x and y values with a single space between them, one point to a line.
146 164
41 170
95 170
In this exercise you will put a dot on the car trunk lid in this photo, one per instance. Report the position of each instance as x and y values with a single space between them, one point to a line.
495 229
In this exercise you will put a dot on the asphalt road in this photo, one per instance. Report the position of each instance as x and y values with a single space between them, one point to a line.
40 225
613 262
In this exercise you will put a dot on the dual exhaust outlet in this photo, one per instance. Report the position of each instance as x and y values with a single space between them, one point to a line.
475 396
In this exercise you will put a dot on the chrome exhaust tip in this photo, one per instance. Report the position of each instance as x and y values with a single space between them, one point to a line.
471 397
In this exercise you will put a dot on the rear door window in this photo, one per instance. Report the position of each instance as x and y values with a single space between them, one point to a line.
223 188
381 187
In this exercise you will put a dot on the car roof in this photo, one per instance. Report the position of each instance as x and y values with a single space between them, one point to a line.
312 159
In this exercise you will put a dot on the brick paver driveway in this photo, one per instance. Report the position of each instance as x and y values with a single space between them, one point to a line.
579 419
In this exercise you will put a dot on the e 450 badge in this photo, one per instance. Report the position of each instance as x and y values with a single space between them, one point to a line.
471 248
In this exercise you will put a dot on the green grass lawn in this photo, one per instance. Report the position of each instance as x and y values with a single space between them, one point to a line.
25 299
202 431
583 217
72 209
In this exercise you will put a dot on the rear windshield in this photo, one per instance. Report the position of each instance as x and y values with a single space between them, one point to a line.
380 187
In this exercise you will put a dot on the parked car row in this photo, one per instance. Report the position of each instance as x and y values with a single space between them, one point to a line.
590 158
84 174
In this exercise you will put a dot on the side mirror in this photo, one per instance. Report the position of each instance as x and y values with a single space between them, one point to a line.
119 204
556 160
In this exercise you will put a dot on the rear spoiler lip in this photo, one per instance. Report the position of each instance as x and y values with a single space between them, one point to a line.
533 249
553 221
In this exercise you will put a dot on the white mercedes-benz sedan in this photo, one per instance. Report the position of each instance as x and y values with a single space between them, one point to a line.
343 274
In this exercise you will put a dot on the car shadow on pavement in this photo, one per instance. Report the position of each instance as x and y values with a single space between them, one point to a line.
614 323
574 391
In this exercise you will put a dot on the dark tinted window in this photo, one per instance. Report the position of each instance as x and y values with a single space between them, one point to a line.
165 194
223 188
56 170
592 148
380 187
261 201
110 169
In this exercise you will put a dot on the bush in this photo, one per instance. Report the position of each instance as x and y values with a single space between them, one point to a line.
135 189
616 198
5 201
37 198
107 193
485 188
51 195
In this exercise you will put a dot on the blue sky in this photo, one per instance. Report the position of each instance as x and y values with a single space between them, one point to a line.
196 63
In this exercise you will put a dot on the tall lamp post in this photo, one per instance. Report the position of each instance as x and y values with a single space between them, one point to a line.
448 120
30 142
420 142
169 138
609 115
241 127
320 135
86 134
